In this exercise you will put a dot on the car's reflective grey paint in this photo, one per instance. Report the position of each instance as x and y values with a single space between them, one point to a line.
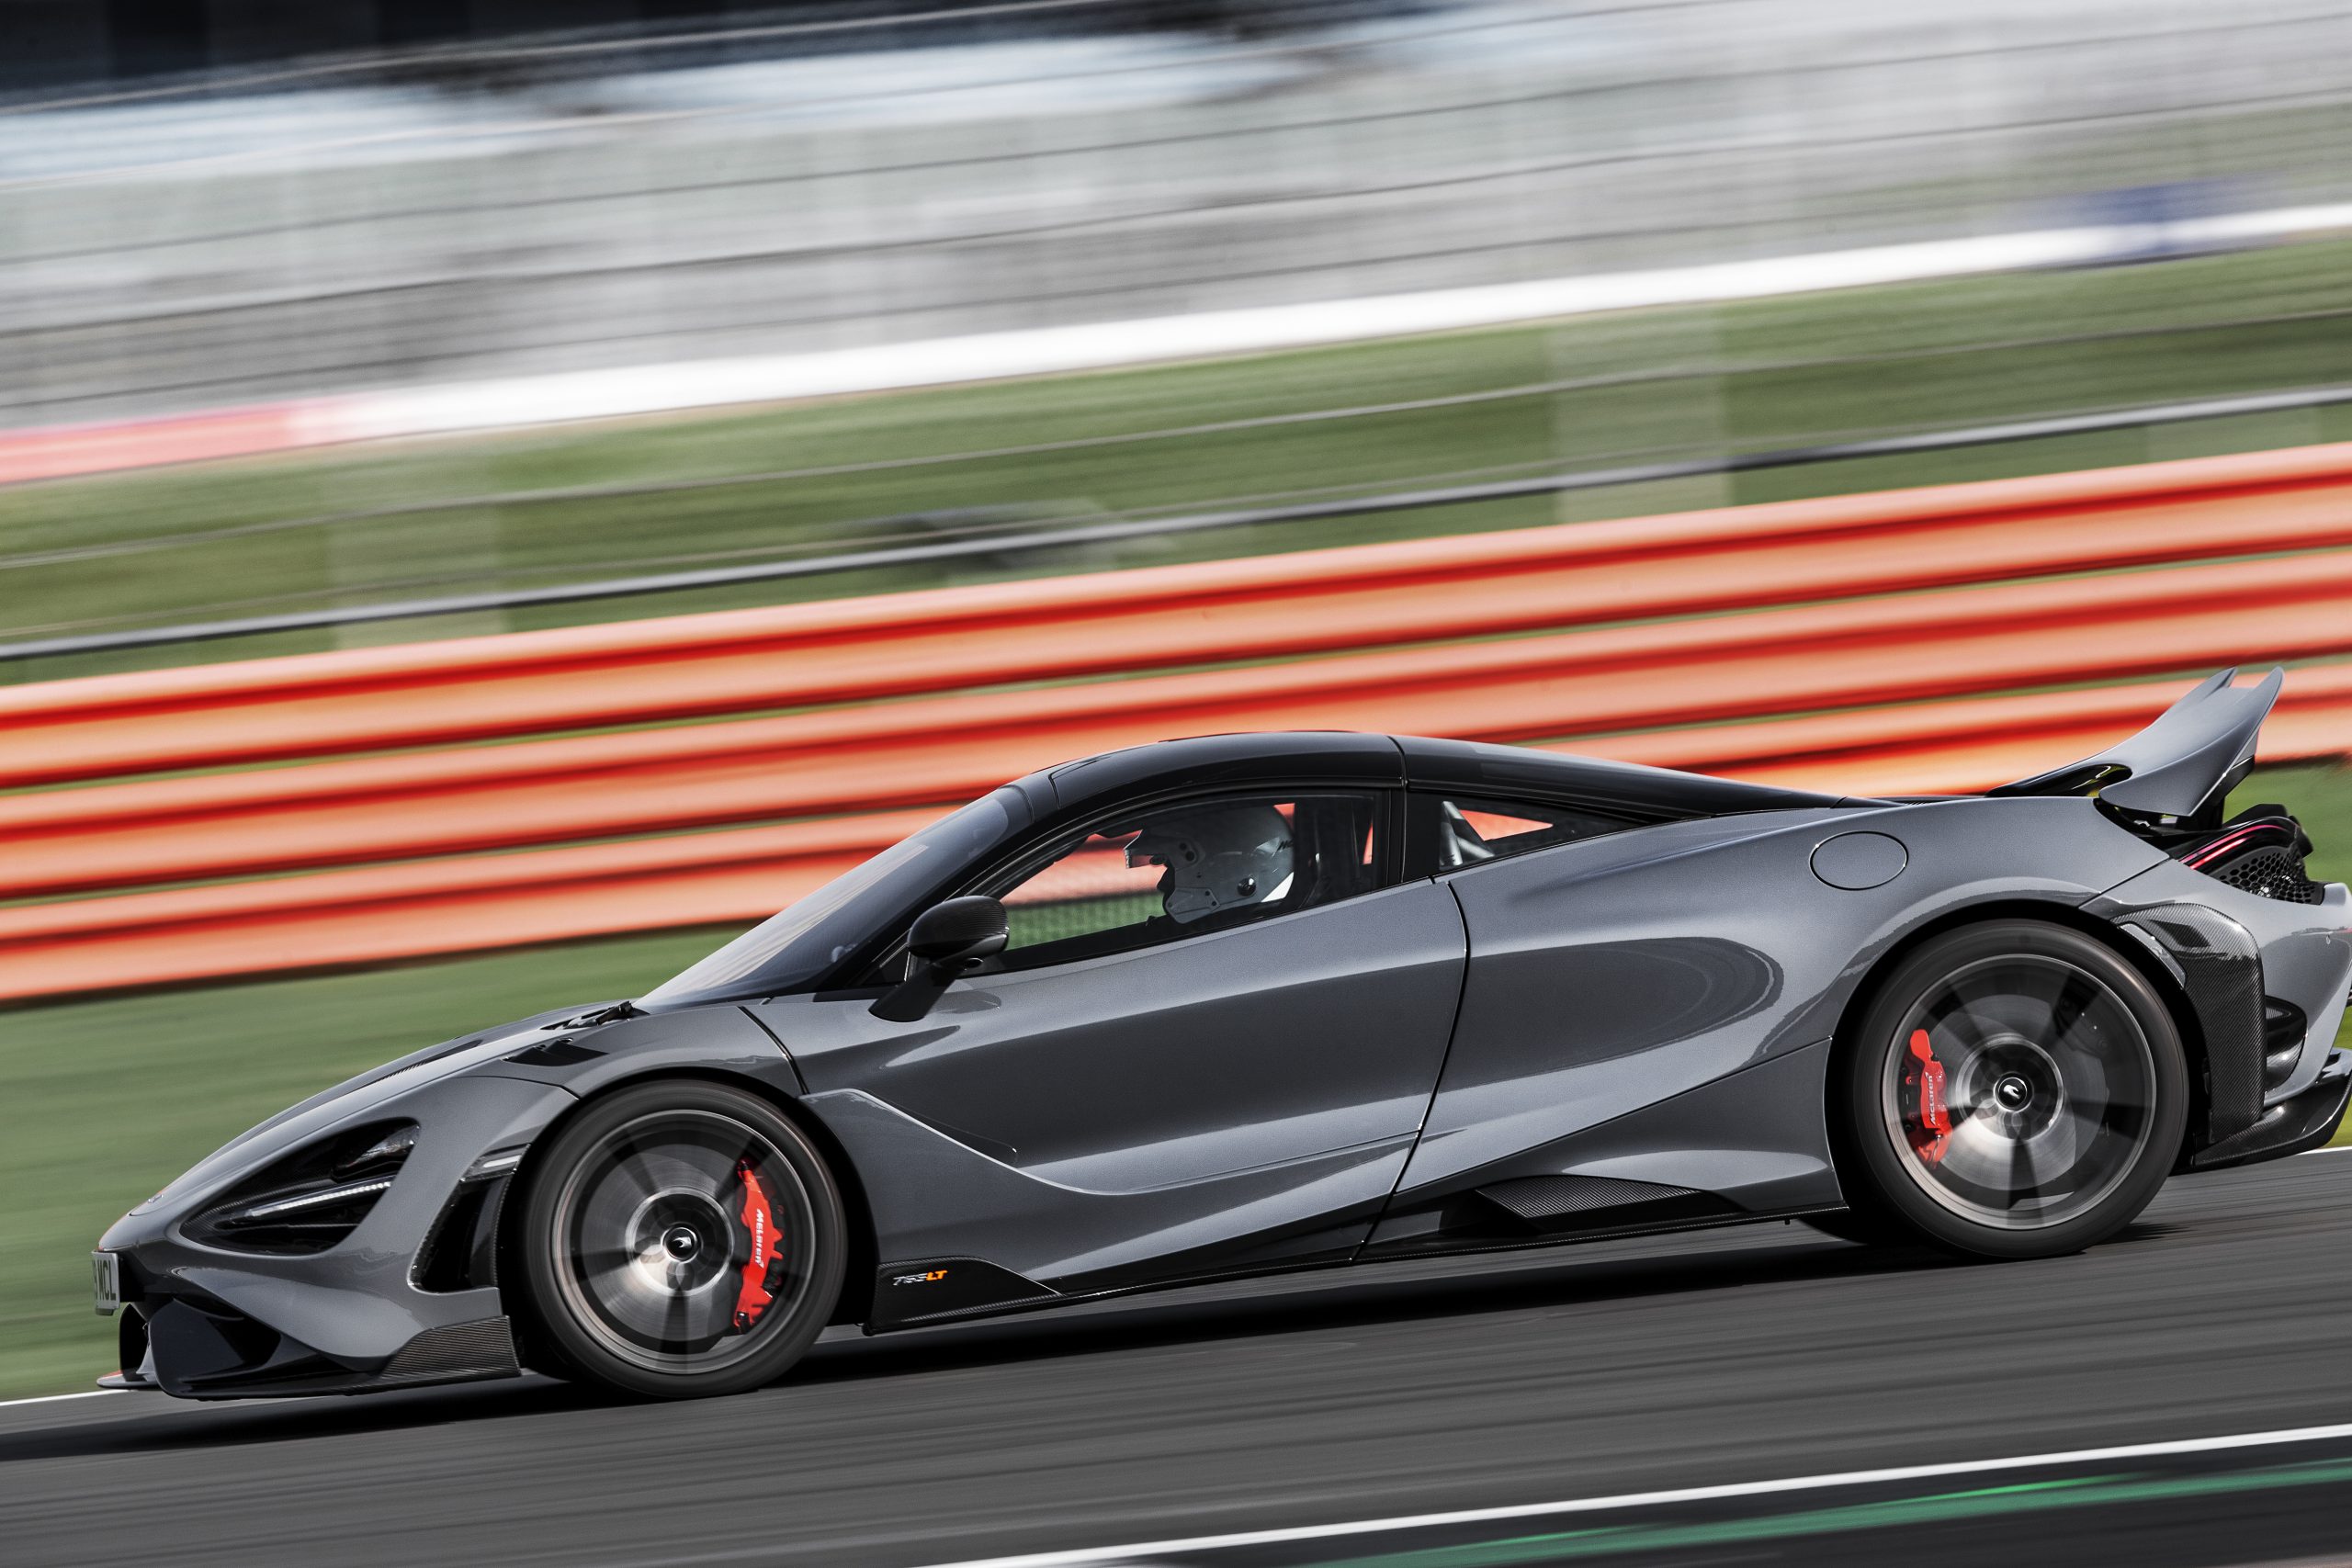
934 1197
1186 1087
1753 1137
721 1039
1654 1006
356 1303
1616 973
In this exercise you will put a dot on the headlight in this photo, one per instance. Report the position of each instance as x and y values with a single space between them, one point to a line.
312 1198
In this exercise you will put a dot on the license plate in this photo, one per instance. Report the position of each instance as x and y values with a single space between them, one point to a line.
105 1281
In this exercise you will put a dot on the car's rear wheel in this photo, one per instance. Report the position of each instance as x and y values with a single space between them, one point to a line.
2014 1090
675 1240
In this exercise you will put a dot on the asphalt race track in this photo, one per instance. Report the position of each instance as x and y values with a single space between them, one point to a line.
1692 1362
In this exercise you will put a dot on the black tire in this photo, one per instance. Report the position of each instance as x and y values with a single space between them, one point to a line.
2013 1090
635 1249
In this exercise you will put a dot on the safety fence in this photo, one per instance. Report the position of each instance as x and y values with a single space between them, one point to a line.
374 805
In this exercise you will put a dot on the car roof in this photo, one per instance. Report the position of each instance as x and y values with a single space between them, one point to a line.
1347 757
1568 778
1332 757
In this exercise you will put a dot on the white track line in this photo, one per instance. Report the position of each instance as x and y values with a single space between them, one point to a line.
53 1398
1108 1554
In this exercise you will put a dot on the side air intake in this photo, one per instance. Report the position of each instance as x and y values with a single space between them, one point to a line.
1591 1203
2284 1026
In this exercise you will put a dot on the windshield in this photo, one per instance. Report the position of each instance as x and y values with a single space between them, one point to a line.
798 947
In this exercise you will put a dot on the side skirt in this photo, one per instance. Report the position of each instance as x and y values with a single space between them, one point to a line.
1025 1295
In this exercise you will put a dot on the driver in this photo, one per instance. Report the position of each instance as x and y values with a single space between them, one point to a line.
1219 858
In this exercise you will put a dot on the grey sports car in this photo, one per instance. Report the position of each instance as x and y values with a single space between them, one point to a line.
1260 1003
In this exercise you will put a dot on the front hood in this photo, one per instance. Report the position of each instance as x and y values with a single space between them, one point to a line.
355 1097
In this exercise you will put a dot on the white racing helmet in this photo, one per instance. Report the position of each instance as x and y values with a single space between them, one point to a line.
1218 859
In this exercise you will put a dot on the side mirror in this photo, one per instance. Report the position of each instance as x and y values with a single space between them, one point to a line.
948 940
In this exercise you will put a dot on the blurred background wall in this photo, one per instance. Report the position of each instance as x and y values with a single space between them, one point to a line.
214 203
78 43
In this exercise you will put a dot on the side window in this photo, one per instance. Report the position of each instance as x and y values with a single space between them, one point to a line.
1181 869
1455 830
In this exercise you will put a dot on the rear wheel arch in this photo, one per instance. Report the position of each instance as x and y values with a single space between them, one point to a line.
2132 950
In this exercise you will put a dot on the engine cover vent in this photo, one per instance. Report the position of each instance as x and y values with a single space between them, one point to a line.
2272 873
2260 851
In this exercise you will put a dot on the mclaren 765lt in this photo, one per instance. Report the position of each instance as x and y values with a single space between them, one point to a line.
1260 1003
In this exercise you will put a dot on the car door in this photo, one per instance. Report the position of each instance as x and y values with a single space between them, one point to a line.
1626 1011
1209 1043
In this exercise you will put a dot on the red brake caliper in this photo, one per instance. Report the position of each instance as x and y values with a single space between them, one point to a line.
1935 1122
751 1298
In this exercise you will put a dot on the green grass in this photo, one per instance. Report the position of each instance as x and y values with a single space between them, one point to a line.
106 1099
2155 337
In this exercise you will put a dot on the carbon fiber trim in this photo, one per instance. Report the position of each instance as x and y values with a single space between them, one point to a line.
941 1288
1541 1200
2307 1122
2220 967
480 1350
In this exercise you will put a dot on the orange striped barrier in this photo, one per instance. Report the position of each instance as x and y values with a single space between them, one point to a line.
1280 606
933 749
419 909
1972 743
378 914
1882 644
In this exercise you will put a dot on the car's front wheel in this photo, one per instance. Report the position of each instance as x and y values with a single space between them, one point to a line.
677 1239
2014 1090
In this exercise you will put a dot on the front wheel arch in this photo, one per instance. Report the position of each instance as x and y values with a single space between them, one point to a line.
589 1324
859 1266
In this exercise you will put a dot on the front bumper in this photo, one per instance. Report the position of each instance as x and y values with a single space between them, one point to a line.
194 1348
204 1323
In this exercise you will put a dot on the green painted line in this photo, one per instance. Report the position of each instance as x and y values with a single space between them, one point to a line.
1938 1507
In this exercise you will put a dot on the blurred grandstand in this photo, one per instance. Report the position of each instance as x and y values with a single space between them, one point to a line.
234 211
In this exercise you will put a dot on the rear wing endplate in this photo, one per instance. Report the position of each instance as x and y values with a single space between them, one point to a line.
2188 761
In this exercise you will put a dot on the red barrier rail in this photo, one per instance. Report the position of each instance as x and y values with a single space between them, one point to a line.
378 914
1874 633
1264 607
1859 653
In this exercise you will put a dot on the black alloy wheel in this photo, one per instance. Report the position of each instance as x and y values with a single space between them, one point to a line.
678 1239
2014 1090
